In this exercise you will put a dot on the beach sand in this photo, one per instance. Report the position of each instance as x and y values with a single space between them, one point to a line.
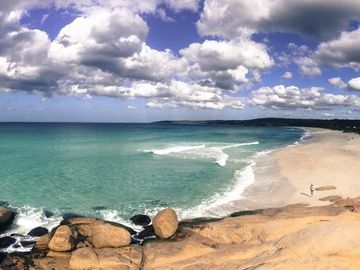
328 158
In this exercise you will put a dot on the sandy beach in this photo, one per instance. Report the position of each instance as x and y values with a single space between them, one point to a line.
328 158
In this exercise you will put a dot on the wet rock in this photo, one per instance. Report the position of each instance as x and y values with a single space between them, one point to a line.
6 218
165 223
2 256
135 240
141 220
147 232
6 241
62 239
38 231
17 261
79 220
48 214
27 243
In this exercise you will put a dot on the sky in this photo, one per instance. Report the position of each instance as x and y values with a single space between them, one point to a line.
149 60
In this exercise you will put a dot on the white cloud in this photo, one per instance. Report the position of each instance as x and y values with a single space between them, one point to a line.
227 64
338 82
292 97
321 19
341 52
354 84
103 35
287 75
301 55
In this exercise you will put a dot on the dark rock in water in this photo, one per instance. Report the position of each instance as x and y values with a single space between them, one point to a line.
48 214
67 216
6 242
16 235
17 245
17 260
147 232
38 231
6 218
141 220
2 256
135 240
8 264
99 208
27 243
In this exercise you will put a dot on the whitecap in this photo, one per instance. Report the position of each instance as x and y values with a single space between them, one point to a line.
205 151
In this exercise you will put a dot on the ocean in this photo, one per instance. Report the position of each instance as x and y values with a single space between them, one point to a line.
113 171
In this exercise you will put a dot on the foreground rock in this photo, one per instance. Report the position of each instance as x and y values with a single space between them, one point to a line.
62 239
107 258
6 218
103 235
165 223
293 237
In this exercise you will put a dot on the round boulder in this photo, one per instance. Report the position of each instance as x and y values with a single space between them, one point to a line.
141 220
103 235
62 239
165 223
6 217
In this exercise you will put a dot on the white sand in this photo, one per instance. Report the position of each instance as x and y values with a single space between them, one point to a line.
330 158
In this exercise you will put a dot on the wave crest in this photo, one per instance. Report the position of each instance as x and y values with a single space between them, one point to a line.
207 151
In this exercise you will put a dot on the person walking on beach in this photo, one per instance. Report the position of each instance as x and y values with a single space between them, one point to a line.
312 189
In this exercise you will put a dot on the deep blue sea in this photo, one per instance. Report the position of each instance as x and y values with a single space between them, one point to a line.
113 171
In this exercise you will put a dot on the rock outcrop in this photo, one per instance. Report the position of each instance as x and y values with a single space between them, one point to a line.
6 218
106 258
293 237
165 223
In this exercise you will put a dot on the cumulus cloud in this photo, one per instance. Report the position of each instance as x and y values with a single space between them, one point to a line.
354 84
320 19
171 95
292 97
227 63
338 82
302 56
341 52
104 52
287 75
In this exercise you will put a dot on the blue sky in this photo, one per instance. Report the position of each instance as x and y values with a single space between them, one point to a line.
142 61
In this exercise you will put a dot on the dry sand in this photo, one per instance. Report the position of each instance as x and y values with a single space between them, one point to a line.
329 158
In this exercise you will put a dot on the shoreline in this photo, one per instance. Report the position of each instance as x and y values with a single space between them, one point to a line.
265 237
328 159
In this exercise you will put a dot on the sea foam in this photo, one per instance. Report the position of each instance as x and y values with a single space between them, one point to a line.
205 151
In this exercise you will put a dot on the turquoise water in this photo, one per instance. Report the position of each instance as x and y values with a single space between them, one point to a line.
116 170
